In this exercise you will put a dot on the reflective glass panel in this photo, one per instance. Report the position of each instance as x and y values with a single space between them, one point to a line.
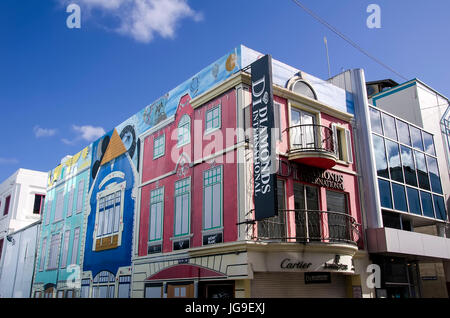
399 197
389 126
403 132
375 121
385 194
380 156
429 144
414 201
422 171
439 206
416 137
395 167
434 175
408 166
427 204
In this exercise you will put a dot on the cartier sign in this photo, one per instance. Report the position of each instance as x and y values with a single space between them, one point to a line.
289 264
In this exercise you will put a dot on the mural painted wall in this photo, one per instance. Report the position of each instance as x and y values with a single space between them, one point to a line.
60 245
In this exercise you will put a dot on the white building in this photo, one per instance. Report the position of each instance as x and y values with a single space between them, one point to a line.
21 200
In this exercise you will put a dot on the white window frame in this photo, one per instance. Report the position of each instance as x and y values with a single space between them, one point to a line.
210 180
183 132
80 195
345 141
110 190
156 200
159 146
180 192
211 111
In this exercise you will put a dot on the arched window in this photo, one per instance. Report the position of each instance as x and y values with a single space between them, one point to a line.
301 87
103 285
184 131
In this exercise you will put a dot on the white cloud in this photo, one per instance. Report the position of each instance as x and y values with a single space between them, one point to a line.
8 161
89 133
40 132
86 133
142 19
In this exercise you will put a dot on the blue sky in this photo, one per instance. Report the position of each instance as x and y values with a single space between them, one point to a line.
60 87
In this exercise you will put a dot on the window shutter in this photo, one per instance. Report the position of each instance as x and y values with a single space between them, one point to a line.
70 204
80 196
76 239
348 140
335 140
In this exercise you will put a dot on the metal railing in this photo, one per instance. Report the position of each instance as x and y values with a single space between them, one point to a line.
311 137
306 226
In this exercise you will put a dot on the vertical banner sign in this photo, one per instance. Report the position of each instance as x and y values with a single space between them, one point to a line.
264 178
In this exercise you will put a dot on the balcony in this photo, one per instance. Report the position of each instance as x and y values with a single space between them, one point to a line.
304 226
312 145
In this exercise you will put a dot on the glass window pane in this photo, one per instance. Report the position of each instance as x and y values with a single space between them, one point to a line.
422 171
434 175
439 206
385 193
427 204
399 197
380 156
416 137
408 166
429 143
389 126
413 199
403 132
395 167
375 121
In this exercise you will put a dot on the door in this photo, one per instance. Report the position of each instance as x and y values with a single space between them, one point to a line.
302 132
180 291
307 215
48 293
339 225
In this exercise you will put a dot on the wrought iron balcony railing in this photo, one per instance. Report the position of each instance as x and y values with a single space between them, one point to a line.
307 226
311 137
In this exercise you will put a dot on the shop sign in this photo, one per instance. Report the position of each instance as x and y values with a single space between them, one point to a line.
336 266
212 239
263 122
289 264
317 278
317 176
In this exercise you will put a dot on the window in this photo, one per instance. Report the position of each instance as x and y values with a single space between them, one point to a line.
154 291
156 220
338 224
109 214
70 203
182 207
109 217
59 206
409 168
80 196
7 204
275 227
375 121
38 203
403 132
277 120
429 144
302 132
398 192
213 118
422 171
342 143
1 248
380 156
413 200
416 137
48 211
427 204
302 88
159 146
103 285
85 287
43 253
307 219
124 286
385 193
439 207
54 251
435 178
65 249
76 241
389 126
212 201
395 167
184 131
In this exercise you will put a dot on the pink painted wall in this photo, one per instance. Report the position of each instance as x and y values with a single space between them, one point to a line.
167 164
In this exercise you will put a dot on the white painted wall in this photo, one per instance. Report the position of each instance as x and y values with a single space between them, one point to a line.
16 274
